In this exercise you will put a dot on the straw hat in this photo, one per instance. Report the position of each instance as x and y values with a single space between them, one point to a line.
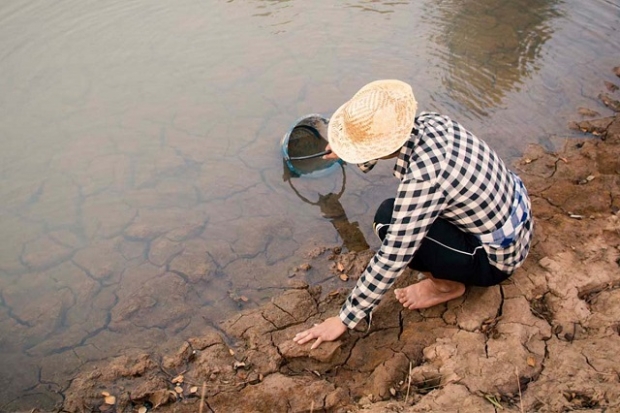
375 123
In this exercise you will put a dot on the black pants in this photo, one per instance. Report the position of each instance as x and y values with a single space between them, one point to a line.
447 252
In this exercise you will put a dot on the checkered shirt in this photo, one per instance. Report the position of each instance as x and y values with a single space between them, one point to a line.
445 171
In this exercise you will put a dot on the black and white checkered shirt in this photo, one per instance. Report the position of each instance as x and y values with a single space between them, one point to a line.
446 172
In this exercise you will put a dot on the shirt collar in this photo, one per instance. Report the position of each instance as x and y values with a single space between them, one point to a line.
404 157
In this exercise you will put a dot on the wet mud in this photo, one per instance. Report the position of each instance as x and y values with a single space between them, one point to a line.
545 340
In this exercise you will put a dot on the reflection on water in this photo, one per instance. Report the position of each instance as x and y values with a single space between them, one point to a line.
491 47
331 209
376 6
141 186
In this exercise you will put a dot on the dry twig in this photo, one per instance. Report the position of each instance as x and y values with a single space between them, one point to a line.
202 396
408 382
519 384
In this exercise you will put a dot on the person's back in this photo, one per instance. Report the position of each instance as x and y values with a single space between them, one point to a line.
478 186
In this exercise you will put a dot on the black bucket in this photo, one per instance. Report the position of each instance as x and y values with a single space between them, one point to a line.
303 146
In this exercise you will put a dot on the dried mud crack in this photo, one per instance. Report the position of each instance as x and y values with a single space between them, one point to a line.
546 340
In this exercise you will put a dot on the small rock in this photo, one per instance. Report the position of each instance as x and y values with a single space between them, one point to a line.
610 86
588 112
609 102
305 267
254 378
365 401
344 277
298 284
111 400
142 409
238 365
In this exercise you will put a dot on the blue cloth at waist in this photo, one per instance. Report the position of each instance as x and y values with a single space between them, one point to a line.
519 214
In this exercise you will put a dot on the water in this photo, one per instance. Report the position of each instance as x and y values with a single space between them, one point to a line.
142 190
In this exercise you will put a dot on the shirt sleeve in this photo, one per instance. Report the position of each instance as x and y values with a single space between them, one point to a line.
417 205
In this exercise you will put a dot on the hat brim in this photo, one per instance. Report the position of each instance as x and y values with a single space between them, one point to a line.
360 151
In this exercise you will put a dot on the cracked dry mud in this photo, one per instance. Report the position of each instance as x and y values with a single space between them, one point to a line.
545 340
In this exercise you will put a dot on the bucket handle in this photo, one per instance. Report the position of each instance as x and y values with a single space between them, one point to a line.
315 155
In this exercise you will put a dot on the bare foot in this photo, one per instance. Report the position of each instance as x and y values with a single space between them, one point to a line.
429 292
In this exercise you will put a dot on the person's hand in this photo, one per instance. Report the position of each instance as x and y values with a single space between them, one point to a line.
330 155
328 330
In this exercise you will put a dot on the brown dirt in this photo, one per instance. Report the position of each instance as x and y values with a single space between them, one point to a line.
546 340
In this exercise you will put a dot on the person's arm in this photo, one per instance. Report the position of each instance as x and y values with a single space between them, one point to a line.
417 206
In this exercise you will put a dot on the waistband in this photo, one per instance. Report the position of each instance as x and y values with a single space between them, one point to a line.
520 213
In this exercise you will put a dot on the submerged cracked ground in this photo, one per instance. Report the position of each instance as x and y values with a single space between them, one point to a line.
545 340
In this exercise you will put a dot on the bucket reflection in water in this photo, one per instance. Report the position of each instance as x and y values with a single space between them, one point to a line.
331 208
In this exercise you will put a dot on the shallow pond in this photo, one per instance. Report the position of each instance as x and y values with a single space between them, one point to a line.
142 189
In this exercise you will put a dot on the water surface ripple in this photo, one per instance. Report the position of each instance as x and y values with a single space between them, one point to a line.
142 191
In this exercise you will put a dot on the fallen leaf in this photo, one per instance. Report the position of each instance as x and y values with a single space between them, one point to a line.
333 293
531 361
177 379
105 393
344 277
193 389
244 298
110 400
231 351
340 267
178 389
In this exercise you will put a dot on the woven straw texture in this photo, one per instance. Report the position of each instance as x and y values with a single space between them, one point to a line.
376 122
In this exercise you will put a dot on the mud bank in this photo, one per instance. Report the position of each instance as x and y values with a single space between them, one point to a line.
546 340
